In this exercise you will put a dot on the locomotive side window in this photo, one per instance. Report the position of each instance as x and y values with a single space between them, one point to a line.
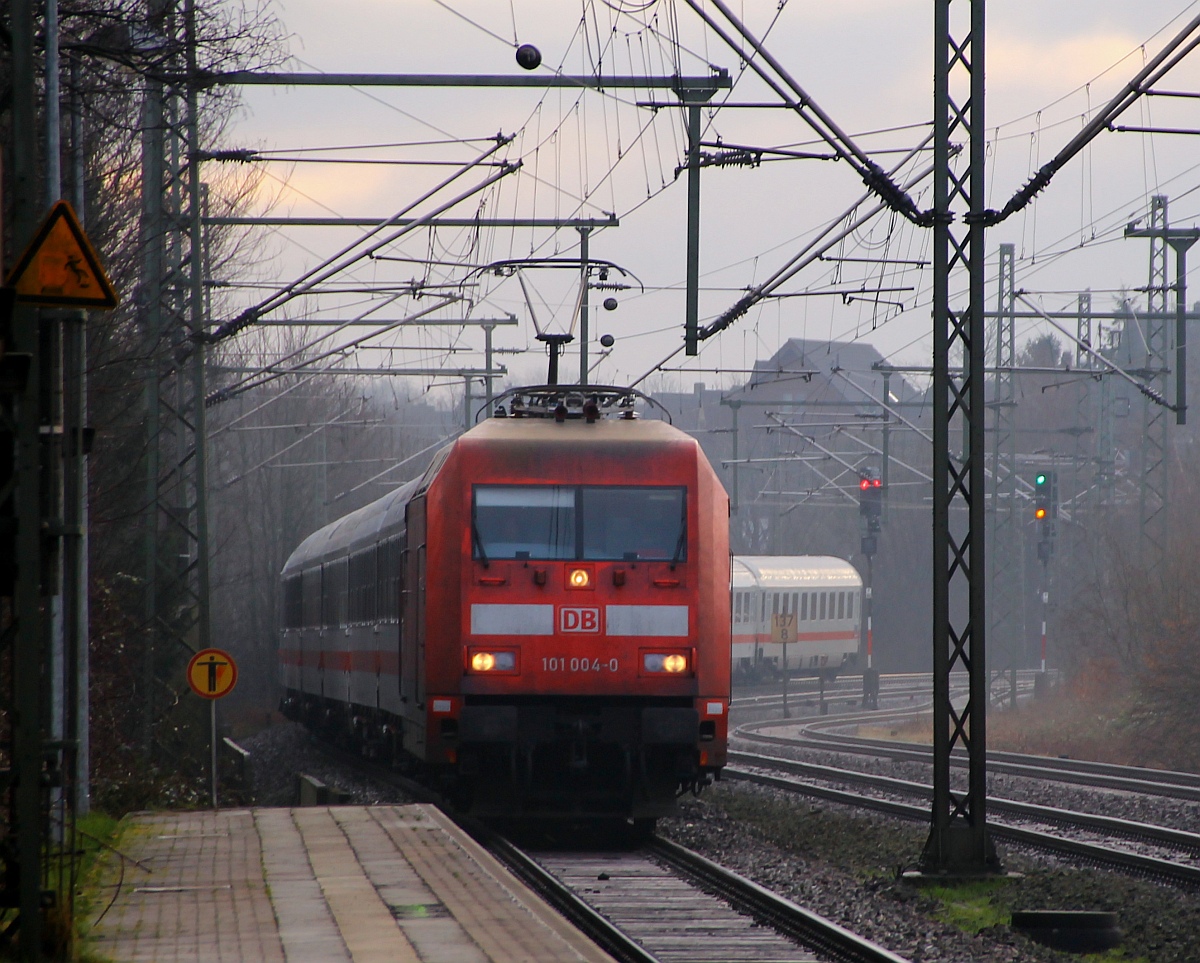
586 522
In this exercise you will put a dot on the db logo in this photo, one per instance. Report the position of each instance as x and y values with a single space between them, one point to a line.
578 620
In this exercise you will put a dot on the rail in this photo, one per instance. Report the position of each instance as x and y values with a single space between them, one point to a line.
1136 864
782 914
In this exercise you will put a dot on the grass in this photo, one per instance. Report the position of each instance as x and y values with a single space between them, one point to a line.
974 906
1089 719
99 834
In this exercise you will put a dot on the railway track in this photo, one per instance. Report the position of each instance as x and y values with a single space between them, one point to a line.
1129 846
661 902
846 690
665 903
817 734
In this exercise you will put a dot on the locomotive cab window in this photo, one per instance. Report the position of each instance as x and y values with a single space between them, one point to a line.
584 522
523 522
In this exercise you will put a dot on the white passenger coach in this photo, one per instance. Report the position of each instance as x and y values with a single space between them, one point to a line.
799 614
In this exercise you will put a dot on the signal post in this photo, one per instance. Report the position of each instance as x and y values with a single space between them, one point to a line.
1045 511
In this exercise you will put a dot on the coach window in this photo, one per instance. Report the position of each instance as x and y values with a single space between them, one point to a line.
849 605
387 576
804 606
841 605
312 597
333 598
822 597
293 602
512 521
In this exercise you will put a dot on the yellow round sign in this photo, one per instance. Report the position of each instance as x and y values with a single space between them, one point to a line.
212 673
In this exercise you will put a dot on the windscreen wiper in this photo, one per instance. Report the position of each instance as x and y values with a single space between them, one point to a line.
478 543
679 545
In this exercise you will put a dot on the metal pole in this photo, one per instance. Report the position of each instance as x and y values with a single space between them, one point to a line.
941 438
1181 246
26 731
1045 607
584 233
53 183
199 410
487 364
868 599
75 547
212 728
733 495
150 307
786 712
60 669
885 446
692 309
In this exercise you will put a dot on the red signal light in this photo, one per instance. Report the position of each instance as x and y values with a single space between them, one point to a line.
864 483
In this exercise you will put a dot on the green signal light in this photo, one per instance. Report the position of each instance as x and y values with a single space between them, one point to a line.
1040 479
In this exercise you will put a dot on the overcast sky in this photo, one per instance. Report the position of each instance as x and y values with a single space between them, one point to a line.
866 62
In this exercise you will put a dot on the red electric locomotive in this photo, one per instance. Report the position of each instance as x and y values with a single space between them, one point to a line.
542 620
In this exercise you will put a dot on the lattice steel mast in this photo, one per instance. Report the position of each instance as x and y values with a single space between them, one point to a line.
175 544
959 840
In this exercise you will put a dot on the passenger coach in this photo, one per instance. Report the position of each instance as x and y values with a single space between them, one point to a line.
795 613
542 621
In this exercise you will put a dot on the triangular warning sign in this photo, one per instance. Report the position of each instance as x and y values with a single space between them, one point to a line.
60 268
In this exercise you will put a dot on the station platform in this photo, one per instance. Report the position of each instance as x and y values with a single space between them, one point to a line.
319 885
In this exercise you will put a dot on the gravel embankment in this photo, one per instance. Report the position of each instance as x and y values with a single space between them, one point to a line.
844 864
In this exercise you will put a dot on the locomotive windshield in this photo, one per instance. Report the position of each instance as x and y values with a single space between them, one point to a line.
579 522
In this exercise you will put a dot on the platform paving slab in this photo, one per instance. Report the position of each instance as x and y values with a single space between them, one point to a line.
345 884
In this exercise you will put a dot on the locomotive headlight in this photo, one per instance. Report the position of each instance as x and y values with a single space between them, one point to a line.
579 578
670 662
484 661
675 663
